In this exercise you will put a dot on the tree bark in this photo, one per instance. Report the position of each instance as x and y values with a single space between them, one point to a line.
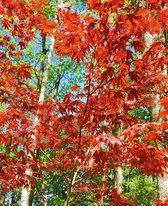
103 187
2 198
44 196
25 197
70 187
162 180
149 39
26 191
118 179
163 187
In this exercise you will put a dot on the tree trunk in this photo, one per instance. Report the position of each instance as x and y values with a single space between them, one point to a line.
44 196
70 187
163 187
103 187
162 181
149 39
25 197
2 198
118 179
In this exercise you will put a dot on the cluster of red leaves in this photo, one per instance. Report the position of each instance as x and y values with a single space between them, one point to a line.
107 5
164 104
9 170
143 151
18 20
15 120
23 19
119 200
161 203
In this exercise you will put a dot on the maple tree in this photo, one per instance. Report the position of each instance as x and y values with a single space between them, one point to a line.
91 131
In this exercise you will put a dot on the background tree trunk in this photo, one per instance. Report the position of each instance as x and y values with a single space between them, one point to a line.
2 198
44 196
118 179
162 181
25 197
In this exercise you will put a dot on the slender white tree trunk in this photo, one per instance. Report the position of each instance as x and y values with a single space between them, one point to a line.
26 191
25 196
149 39
163 187
162 180
119 179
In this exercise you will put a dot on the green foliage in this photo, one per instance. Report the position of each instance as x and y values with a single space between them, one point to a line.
55 200
141 187
144 113
13 197
55 188
50 11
